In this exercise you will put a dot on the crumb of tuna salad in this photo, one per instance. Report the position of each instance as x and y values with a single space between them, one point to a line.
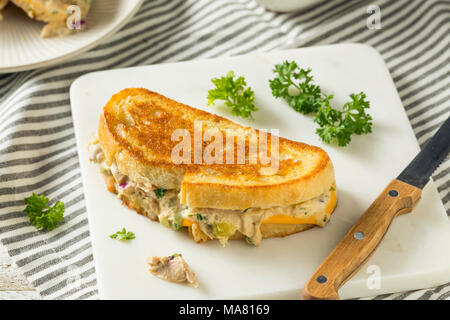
172 268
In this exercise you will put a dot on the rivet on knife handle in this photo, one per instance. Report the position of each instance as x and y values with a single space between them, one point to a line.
361 241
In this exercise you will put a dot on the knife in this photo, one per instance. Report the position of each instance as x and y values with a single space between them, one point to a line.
361 241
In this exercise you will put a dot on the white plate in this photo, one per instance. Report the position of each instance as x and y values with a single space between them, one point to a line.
22 48
414 254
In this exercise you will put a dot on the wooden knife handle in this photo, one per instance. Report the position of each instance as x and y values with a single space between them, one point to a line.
361 241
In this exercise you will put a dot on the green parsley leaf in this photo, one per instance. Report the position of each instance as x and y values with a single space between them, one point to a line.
123 235
295 86
42 215
235 94
355 116
160 192
336 125
201 218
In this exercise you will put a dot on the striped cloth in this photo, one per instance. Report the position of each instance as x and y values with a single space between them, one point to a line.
37 145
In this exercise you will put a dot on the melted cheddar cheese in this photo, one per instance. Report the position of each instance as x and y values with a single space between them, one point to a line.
309 219
286 219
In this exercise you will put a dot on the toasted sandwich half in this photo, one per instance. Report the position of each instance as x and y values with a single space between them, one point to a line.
228 198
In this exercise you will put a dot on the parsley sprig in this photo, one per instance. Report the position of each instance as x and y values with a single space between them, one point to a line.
296 86
41 215
123 235
340 125
234 93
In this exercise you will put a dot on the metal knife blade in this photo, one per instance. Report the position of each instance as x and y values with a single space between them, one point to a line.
419 171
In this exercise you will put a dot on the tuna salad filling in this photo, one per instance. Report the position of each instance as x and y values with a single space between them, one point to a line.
164 205
172 268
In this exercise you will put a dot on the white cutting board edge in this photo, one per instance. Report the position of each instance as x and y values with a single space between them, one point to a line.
415 253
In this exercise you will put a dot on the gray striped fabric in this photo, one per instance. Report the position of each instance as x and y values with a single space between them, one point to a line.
37 145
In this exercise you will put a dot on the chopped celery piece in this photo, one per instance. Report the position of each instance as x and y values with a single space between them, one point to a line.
223 230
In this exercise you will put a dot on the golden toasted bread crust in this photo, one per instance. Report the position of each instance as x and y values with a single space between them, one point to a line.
208 195
135 132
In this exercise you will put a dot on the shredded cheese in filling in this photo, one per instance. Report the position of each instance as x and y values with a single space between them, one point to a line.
215 223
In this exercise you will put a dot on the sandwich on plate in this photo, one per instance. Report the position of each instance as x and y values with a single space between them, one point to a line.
190 169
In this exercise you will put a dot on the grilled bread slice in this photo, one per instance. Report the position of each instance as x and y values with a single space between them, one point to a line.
135 145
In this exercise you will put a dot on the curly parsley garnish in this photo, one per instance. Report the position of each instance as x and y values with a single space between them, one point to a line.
123 235
340 125
296 86
42 215
159 193
235 94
